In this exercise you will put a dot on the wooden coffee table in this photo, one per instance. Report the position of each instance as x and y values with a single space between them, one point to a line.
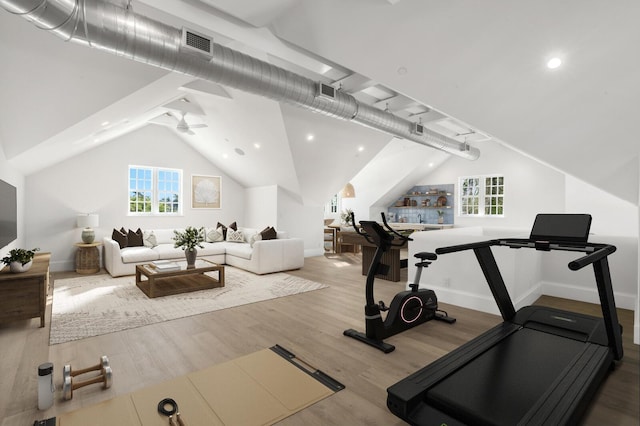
158 283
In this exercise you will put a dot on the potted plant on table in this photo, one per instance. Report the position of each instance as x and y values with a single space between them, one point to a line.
440 216
188 240
20 260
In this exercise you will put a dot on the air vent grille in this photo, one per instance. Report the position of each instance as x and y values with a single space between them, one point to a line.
197 42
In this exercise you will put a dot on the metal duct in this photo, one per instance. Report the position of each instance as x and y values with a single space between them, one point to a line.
109 27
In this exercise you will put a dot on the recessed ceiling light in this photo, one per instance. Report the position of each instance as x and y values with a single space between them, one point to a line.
430 164
361 148
554 63
256 145
104 123
310 137
225 156
402 70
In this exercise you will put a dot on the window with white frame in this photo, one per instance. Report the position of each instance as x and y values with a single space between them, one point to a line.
482 195
154 190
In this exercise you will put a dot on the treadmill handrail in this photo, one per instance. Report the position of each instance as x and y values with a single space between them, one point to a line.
601 253
468 246
598 254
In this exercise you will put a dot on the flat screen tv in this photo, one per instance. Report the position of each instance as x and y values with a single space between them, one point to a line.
8 213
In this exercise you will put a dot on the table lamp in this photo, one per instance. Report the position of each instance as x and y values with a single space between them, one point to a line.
87 222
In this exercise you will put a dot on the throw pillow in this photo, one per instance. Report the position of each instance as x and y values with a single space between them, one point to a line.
255 237
149 239
269 233
135 238
233 226
215 235
224 230
235 236
120 237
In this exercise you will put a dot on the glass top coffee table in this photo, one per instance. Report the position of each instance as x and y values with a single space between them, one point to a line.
163 279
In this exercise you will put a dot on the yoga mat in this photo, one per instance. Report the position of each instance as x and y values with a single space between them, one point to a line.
261 388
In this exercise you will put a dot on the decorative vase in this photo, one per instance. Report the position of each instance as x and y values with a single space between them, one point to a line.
441 220
88 235
17 266
191 257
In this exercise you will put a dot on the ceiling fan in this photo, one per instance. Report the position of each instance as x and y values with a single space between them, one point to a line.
181 125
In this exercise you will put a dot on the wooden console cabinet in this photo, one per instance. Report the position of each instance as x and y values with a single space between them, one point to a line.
24 295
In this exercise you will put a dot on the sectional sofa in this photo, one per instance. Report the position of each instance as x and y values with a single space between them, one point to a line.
249 252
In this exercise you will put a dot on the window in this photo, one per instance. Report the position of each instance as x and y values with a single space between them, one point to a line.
154 190
482 195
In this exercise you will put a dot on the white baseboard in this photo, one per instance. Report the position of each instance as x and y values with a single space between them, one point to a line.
582 294
62 266
465 299
529 297
313 252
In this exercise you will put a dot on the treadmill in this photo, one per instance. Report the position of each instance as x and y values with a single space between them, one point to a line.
540 366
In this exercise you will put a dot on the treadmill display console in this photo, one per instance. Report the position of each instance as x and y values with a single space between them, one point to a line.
561 228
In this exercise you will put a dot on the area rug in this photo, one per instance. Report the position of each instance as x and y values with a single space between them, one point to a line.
96 305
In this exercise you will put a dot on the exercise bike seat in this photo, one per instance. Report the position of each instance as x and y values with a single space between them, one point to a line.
425 255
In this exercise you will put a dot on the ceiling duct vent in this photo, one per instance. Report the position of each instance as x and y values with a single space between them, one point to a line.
326 91
418 129
197 43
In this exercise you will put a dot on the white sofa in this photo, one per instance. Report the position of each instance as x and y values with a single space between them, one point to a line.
263 257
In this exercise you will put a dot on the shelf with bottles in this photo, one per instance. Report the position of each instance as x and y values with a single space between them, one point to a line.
427 204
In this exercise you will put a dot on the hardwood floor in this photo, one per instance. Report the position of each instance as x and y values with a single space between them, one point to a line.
308 324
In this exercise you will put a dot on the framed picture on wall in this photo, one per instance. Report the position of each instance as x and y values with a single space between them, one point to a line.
206 192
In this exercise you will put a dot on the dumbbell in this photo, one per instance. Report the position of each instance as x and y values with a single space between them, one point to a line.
105 377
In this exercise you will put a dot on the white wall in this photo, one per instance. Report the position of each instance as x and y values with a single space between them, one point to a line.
96 182
611 215
302 221
530 187
261 207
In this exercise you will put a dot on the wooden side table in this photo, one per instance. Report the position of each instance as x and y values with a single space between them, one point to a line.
88 258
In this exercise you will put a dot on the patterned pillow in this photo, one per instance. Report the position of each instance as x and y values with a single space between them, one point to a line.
235 236
215 235
149 239
233 226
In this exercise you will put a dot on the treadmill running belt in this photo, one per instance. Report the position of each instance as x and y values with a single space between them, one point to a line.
502 384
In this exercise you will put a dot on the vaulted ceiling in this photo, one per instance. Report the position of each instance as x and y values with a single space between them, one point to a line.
473 71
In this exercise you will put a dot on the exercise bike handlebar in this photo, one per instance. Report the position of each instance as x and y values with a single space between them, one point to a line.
390 229
382 233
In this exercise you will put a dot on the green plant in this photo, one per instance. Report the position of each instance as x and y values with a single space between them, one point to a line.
189 239
346 217
440 213
20 255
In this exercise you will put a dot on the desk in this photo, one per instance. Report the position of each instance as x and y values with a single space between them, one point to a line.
341 241
23 295
391 257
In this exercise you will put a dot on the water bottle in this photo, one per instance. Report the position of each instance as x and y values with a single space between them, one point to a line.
45 386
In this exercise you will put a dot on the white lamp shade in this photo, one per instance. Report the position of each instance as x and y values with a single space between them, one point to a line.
88 220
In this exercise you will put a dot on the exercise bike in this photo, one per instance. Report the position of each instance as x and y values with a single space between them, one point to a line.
408 308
